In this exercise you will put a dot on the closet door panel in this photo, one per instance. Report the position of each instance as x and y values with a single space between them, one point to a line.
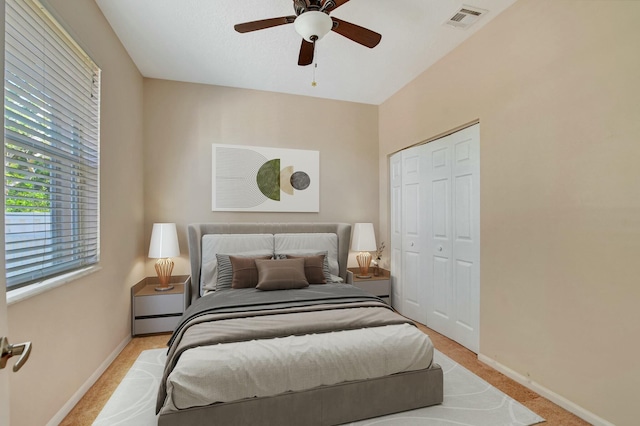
463 219
463 287
411 251
395 183
439 300
439 208
411 279
412 234
466 242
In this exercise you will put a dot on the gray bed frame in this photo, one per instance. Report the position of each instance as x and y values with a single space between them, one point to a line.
325 405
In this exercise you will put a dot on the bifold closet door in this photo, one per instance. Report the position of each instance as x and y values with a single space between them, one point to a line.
452 248
413 233
395 196
406 174
435 235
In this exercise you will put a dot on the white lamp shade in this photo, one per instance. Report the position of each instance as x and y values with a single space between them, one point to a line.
364 238
164 241
313 23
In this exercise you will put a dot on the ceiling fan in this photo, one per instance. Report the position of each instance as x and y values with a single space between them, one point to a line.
312 22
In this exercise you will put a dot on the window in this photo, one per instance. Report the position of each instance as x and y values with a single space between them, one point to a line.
51 118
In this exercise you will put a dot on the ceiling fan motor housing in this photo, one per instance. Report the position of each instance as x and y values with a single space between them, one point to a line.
313 25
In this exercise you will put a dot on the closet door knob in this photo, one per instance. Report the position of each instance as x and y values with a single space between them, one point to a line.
439 248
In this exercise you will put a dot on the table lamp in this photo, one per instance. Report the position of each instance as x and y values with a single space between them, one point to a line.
163 246
364 241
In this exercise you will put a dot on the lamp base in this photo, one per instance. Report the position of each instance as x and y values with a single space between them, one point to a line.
164 267
165 288
364 260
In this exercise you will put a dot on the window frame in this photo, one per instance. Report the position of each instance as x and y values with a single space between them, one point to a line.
69 137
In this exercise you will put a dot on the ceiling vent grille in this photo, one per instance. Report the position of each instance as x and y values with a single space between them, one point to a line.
465 16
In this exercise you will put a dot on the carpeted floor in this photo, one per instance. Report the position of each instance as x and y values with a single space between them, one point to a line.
86 411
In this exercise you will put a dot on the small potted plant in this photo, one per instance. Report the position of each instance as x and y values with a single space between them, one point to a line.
377 258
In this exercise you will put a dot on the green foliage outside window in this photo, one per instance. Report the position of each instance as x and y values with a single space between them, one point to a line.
21 196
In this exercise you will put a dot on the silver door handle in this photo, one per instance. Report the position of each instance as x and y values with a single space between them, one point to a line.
439 248
22 349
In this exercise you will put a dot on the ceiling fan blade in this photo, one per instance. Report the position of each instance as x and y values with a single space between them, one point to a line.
356 33
336 4
306 53
263 23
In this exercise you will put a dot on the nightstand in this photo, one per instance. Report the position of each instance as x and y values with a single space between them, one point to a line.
379 286
157 311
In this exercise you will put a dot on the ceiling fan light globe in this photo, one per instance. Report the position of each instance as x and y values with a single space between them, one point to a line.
313 24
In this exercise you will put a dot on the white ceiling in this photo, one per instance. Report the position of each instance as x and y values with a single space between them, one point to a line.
194 41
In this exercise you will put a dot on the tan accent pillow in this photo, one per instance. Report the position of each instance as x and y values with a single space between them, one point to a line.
283 274
245 273
313 268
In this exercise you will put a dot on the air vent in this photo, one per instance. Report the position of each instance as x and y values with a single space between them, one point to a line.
465 16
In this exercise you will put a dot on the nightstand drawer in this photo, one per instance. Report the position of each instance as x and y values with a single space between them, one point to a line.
375 287
160 304
155 325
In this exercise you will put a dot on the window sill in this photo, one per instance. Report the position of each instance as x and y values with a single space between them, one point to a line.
20 294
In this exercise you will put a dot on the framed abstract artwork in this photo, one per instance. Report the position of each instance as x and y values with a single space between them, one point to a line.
263 179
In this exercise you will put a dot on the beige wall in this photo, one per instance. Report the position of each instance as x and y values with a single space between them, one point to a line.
182 120
554 84
74 328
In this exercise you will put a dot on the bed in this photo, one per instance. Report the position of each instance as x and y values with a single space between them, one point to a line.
276 335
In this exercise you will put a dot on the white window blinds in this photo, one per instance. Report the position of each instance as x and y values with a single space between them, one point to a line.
52 106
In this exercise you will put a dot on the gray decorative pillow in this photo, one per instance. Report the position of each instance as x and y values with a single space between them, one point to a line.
225 271
283 274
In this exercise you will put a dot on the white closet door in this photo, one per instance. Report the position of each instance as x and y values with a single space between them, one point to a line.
413 235
453 245
438 248
466 236
395 185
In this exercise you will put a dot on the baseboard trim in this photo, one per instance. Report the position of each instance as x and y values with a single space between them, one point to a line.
66 408
546 393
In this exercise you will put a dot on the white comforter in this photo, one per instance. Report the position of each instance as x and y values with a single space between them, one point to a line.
257 368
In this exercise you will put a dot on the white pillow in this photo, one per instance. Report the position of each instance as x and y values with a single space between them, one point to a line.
309 244
246 244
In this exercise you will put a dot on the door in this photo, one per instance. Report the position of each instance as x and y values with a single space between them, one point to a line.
438 249
4 326
4 331
395 194
413 234
453 241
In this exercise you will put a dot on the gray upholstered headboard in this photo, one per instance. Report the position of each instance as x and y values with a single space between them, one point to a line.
197 230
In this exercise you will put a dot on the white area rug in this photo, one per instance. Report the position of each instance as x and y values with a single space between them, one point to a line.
468 400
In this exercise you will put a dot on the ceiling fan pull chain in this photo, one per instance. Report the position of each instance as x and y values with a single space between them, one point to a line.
315 65
313 83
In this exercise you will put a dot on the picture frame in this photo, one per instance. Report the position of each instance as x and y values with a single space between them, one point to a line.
265 179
